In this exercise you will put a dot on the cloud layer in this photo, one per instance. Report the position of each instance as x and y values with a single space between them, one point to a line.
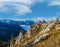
19 6
54 3
22 7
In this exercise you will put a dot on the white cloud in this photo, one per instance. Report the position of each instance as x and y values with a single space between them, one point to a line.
54 3
2 8
22 9
27 2
21 6
40 19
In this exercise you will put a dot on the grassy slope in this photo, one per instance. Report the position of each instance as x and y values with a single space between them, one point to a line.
52 41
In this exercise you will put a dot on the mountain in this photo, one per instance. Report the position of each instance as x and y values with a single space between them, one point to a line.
40 21
26 22
39 35
8 29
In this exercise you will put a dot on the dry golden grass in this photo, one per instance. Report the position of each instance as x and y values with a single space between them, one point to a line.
52 41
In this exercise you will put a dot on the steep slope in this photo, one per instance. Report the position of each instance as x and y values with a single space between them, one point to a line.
52 41
40 35
9 29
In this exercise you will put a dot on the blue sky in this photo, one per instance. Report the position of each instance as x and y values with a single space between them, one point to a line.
29 9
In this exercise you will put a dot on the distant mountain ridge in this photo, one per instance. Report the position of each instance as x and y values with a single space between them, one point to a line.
27 22
9 29
24 22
